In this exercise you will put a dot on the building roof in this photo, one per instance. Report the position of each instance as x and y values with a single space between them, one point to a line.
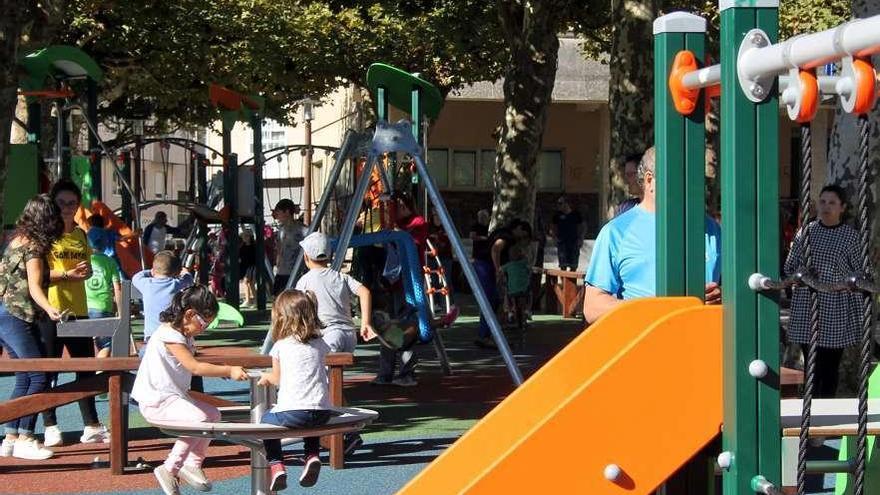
577 79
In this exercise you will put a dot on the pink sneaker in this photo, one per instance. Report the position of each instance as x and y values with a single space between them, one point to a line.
449 318
277 477
310 472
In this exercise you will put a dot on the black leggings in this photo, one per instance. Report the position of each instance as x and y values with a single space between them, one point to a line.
76 347
827 371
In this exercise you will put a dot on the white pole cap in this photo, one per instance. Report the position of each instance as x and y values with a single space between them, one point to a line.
749 4
679 22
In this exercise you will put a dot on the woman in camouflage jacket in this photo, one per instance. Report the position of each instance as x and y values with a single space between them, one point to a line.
23 284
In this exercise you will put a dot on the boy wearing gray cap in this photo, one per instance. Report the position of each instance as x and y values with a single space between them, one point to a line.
333 291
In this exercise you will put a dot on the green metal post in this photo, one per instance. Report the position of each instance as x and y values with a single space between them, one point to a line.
34 121
259 221
201 179
126 197
416 114
382 103
680 164
749 207
230 200
137 164
680 142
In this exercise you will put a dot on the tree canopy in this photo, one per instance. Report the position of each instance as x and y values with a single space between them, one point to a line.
166 52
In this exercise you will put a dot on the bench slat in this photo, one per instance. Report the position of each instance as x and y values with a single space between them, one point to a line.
59 396
132 363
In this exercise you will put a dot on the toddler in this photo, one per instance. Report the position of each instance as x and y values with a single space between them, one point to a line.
162 385
299 372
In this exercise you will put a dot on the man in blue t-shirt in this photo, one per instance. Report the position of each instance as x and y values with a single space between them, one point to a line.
624 260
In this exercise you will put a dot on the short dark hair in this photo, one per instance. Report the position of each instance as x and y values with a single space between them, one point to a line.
197 298
96 221
406 200
834 188
285 205
634 158
65 185
526 226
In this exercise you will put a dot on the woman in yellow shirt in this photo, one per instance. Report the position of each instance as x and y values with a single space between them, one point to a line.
69 267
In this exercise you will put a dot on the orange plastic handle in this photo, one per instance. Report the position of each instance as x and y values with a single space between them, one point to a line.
684 100
865 79
809 96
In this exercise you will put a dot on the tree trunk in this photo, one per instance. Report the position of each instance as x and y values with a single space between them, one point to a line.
843 166
630 90
15 13
713 152
528 86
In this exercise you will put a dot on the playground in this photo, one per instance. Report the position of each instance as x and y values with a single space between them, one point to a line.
680 392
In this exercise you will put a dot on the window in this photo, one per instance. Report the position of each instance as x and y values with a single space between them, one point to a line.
273 134
550 170
464 168
438 167
476 169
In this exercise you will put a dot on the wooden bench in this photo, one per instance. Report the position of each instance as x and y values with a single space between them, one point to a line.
251 435
116 380
563 291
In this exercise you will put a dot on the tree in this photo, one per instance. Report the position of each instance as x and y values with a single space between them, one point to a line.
530 30
11 23
630 89
24 22
166 52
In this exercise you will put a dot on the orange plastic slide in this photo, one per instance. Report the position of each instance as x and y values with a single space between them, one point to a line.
126 246
640 390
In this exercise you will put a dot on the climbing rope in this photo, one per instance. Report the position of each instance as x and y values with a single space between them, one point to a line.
864 230
813 342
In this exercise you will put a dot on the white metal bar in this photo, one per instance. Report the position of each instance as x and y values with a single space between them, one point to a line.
860 37
702 78
827 84
710 76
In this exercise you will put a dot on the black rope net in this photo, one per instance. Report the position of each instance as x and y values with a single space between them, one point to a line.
861 282
865 351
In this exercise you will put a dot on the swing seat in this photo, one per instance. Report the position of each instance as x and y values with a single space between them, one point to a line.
411 272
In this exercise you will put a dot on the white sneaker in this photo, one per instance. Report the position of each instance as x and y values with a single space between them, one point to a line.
194 477
52 436
167 481
31 449
6 449
95 434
